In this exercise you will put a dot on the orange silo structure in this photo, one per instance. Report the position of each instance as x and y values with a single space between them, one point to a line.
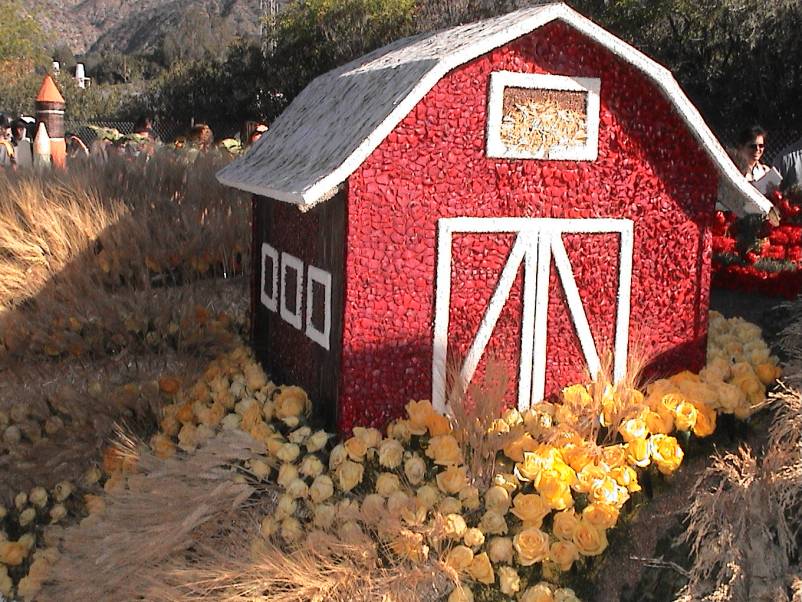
50 111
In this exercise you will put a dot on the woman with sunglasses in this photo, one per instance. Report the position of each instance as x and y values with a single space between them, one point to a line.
751 144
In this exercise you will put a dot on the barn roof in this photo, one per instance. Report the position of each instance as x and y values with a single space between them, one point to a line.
334 124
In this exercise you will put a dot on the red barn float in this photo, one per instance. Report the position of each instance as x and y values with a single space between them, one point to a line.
528 188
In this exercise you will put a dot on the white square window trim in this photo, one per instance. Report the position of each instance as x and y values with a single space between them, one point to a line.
294 263
316 275
499 80
269 301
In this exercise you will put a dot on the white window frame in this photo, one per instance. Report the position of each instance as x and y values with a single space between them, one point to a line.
294 263
270 302
499 80
321 337
538 240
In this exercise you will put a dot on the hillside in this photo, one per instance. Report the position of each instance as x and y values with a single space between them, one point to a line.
131 26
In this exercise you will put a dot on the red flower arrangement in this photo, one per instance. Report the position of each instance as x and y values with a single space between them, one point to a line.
753 256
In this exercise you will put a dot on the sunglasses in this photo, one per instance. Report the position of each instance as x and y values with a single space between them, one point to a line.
757 146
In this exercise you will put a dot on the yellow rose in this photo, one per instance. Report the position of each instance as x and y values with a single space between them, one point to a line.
563 554
588 476
634 428
613 456
444 450
452 480
555 491
349 475
356 448
601 515
705 424
474 538
767 372
609 492
538 593
659 422
415 469
418 412
544 457
564 524
459 558
589 539
626 477
530 508
292 402
684 416
578 456
387 483
500 549
577 395
671 400
509 581
515 449
497 499
532 546
481 570
493 523
437 424
666 453
638 452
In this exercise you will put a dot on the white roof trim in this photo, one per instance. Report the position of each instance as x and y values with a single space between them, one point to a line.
743 197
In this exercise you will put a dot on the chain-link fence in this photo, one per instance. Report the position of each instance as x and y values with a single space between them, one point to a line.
167 131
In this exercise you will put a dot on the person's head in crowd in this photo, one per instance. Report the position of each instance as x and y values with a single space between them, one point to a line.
5 127
750 146
201 137
144 127
19 130
257 133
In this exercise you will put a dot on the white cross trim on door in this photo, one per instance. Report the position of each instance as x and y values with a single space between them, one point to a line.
537 241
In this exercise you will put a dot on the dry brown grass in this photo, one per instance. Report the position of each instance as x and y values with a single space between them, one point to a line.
744 520
160 514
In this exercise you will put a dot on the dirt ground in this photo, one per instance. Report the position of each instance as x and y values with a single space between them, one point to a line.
645 560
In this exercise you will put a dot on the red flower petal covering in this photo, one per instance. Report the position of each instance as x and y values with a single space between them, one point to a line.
433 165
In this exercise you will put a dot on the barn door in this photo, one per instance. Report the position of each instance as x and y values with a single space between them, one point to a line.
537 241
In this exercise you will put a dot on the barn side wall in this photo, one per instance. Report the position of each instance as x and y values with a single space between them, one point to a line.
289 355
433 165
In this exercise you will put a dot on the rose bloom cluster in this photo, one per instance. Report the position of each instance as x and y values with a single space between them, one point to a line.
555 493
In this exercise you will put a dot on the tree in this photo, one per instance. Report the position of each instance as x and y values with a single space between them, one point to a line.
21 53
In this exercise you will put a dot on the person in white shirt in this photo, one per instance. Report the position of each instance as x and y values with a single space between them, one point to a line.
23 147
789 164
750 146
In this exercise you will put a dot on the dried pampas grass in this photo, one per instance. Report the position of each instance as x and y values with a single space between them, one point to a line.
159 514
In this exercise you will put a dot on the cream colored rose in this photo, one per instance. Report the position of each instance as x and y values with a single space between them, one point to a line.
497 499
356 448
391 452
412 511
285 506
474 538
287 473
509 581
291 530
461 593
532 546
609 492
288 452
397 502
531 509
349 475
337 456
449 505
493 523
371 436
454 526
317 441
322 489
500 549
470 498
589 540
299 436
459 558
399 429
415 469
291 402
601 515
565 594
311 466
418 412
538 593
444 450
387 483
452 480
324 516
563 554
268 526
298 489
350 532
481 570
373 508
428 495
348 509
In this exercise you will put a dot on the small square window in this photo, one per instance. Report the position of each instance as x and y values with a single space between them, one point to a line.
539 116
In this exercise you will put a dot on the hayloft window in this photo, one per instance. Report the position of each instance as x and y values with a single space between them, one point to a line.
292 282
269 288
541 116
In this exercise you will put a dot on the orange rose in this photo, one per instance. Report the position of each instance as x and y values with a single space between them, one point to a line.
589 540
444 450
532 546
555 491
452 480
705 424
437 424
659 422
419 412
515 449
564 524
614 455
563 554
601 515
